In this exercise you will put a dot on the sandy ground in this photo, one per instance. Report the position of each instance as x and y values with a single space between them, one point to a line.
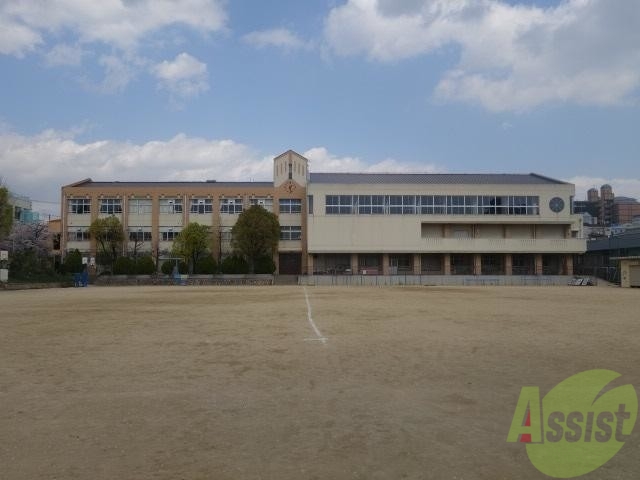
233 383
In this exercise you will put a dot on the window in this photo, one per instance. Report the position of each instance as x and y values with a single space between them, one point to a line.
432 204
455 205
140 206
201 205
140 235
170 205
264 202
226 235
290 205
231 205
341 204
511 205
110 206
80 206
402 204
462 205
290 233
370 204
169 235
310 204
78 235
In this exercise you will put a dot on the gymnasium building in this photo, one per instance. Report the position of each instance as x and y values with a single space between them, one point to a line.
353 223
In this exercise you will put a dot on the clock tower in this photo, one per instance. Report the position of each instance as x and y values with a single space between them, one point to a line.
291 171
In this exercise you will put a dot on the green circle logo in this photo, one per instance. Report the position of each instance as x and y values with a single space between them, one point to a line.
579 425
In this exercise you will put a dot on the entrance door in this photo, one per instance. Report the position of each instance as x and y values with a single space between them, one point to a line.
290 263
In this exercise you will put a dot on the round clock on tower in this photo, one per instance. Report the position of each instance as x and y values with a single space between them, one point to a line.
290 186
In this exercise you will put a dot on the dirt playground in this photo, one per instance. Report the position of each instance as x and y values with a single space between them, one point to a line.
296 382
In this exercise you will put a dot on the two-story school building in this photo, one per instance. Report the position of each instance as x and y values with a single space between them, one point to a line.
352 223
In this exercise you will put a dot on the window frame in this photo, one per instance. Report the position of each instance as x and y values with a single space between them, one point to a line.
200 206
290 232
231 206
290 205
75 204
170 206
110 206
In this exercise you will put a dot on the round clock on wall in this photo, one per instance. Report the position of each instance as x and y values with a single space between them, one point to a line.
556 204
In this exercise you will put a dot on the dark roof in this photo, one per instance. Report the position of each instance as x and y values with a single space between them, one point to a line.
90 183
628 239
434 178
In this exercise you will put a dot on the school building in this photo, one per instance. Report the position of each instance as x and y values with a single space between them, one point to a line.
352 223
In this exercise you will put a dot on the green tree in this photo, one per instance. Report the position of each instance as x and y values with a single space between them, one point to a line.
6 213
73 262
109 236
265 264
192 243
256 234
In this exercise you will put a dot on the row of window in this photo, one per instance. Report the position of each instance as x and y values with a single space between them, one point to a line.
111 206
431 205
82 234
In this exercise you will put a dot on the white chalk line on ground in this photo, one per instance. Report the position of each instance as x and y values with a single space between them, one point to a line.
320 337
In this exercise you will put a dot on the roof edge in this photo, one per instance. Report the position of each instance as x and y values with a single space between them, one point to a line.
80 182
550 179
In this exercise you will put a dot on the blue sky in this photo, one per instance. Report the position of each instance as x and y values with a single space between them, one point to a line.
196 89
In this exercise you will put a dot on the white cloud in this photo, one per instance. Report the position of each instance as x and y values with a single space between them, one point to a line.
122 26
622 187
17 38
185 76
278 37
511 57
118 73
117 23
39 165
64 55
321 160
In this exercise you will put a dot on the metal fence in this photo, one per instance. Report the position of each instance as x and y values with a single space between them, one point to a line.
429 280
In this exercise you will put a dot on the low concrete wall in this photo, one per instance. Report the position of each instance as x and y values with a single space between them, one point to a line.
116 280
512 280
34 286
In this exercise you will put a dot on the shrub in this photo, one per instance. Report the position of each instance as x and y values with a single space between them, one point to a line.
73 262
145 266
205 265
234 264
124 266
167 267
